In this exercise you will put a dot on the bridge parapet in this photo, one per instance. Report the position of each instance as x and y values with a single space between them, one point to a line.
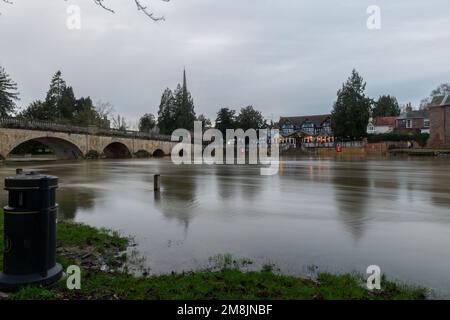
17 123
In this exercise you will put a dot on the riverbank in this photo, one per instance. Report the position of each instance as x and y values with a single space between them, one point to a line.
104 263
421 152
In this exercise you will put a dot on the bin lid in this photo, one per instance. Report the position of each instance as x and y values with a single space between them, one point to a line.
31 181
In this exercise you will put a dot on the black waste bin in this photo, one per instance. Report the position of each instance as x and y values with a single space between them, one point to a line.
30 232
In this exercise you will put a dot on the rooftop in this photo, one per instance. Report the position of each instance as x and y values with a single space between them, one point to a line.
384 121
317 120
415 114
440 101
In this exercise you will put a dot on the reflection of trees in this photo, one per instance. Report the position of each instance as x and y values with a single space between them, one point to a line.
177 198
440 183
387 185
73 199
352 195
238 181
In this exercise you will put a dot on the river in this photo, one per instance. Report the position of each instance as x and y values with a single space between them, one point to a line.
339 215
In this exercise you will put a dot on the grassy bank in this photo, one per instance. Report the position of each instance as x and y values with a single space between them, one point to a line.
96 250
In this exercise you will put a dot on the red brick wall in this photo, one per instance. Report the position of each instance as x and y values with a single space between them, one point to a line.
417 123
439 127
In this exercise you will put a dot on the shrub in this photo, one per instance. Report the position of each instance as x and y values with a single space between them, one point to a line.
142 154
92 155
420 138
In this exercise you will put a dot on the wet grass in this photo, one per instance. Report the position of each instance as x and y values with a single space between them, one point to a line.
90 248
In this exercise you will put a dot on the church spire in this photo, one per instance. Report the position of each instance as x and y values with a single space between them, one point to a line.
184 80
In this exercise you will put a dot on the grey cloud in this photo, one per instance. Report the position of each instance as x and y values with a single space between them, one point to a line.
286 57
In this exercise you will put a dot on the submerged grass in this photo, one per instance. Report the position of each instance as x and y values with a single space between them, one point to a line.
90 248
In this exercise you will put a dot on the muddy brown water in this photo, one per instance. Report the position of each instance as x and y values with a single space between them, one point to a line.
339 215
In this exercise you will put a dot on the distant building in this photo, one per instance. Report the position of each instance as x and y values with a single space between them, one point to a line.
440 122
413 121
307 131
380 125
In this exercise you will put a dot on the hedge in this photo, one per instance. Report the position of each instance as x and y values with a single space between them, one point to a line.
420 138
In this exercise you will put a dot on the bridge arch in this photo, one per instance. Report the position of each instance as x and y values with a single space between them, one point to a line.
142 154
117 150
62 148
158 153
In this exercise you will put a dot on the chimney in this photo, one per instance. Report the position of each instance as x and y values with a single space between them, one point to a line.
408 107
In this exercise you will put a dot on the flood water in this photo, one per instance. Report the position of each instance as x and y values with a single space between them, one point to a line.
339 215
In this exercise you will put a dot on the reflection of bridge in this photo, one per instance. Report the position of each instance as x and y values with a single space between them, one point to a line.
72 142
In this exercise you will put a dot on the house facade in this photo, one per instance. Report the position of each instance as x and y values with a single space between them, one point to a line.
380 125
307 131
440 122
413 121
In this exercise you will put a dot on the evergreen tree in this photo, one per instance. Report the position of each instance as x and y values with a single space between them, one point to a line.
206 123
166 113
351 110
249 118
38 110
386 106
56 90
67 104
60 100
8 94
226 119
61 105
147 122
184 107
176 109
86 114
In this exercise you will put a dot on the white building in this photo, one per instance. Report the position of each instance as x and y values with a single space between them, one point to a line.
380 125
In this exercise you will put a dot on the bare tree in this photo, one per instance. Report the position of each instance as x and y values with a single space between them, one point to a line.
442 90
6 1
140 7
120 123
104 109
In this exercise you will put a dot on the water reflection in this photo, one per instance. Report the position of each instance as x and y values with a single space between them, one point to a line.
337 214
177 199
440 185
352 194
72 201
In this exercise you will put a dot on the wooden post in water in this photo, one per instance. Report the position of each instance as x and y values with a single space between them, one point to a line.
156 182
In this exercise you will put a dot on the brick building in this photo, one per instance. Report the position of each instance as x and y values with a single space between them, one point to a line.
440 122
413 121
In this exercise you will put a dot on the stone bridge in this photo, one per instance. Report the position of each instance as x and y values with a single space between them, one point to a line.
71 142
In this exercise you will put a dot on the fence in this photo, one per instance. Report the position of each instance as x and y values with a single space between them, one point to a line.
16 123
350 144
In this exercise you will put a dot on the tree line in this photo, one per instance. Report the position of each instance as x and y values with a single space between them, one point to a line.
353 108
59 105
350 114
176 109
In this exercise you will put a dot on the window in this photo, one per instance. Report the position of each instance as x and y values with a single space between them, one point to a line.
408 124
308 127
326 127
426 123
287 128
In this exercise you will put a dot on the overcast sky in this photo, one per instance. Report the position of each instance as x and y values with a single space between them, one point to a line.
285 57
